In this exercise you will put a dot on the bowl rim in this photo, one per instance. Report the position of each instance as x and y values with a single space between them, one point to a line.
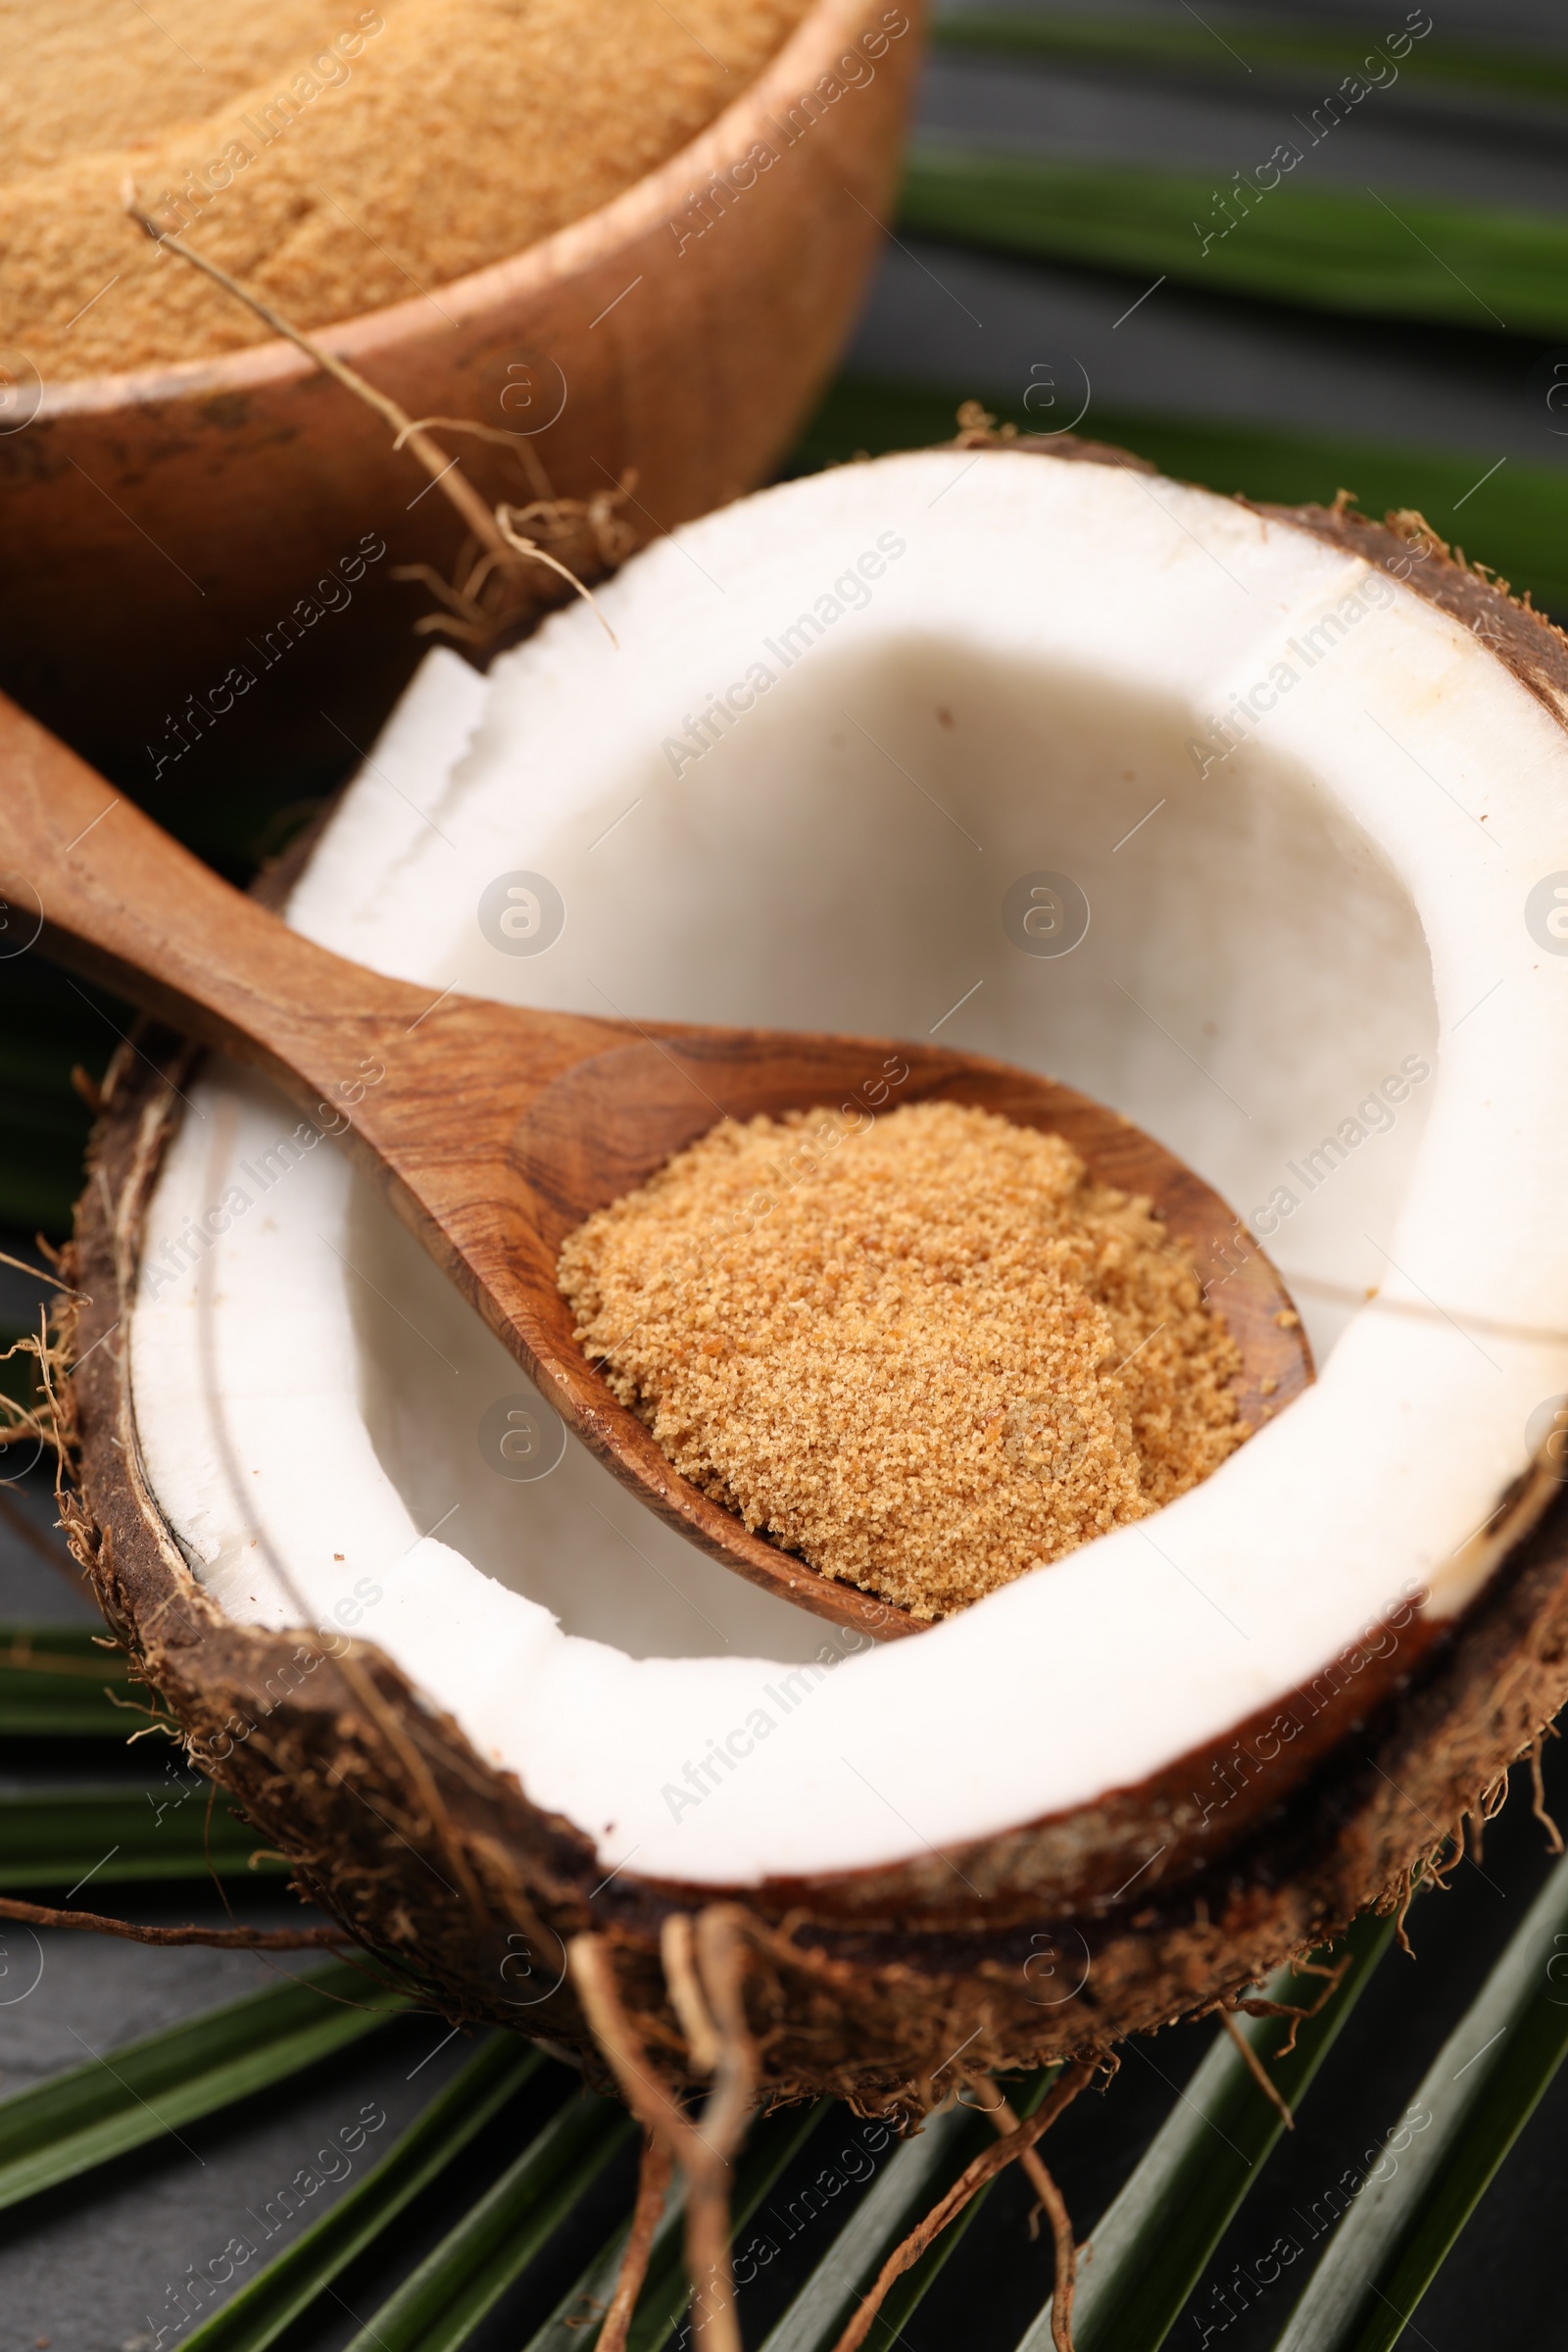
568 252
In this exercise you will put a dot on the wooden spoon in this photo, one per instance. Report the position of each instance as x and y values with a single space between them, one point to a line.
495 1131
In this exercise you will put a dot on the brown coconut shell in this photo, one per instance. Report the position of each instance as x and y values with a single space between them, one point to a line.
1053 1939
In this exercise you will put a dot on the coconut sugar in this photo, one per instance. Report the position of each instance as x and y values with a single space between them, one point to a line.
332 157
926 1355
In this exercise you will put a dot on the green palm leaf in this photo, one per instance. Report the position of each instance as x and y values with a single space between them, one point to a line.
908 2292
449 2294
1150 2249
1295 48
289 2285
573 2324
915 2176
138 2093
113 1836
56 1682
921 2171
1388 253
1477 2097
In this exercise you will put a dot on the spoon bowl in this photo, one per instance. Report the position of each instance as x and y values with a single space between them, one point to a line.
495 1130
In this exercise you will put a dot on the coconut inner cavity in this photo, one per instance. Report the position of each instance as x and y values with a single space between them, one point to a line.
927 1354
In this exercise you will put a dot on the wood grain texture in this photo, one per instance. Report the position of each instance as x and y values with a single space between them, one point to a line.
159 523
496 1130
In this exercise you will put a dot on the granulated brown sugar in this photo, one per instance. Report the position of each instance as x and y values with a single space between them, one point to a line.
926 1356
332 157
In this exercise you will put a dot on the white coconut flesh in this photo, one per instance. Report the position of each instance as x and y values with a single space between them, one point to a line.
1337 904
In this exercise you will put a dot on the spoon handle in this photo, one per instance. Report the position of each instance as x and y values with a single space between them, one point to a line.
102 889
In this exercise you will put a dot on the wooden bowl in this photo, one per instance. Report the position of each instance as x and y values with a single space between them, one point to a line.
159 523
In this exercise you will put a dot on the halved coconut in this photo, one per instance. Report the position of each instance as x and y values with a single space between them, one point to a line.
1310 780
